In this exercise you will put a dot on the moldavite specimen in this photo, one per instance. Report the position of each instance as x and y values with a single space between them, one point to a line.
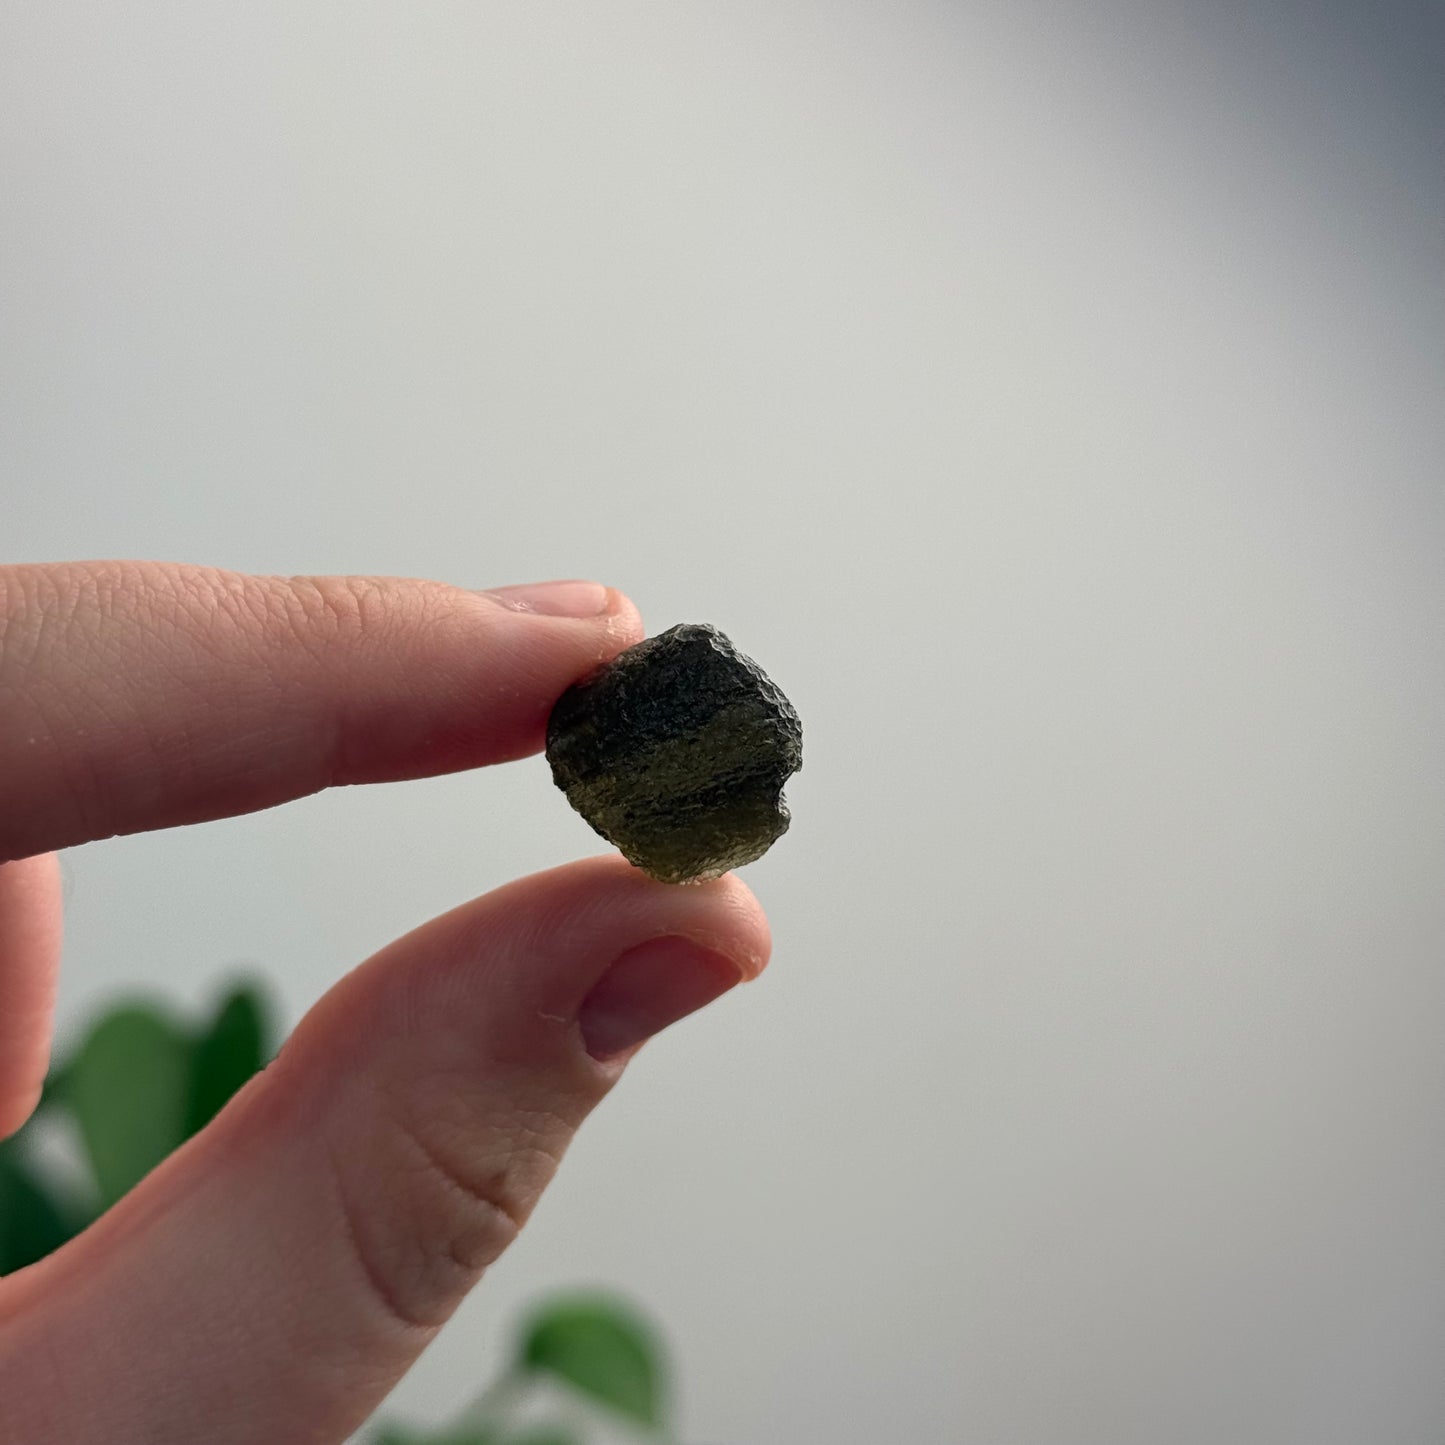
676 751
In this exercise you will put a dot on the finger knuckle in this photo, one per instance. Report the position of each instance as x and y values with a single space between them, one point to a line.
35 605
451 1203
46 614
324 611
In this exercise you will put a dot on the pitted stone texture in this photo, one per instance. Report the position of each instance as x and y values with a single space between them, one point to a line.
676 752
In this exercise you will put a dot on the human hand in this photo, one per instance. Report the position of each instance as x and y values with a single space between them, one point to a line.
275 1276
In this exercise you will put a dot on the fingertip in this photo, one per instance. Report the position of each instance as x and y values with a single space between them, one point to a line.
534 949
570 597
15 1110
605 896
623 622
507 653
649 988
574 599
742 925
30 927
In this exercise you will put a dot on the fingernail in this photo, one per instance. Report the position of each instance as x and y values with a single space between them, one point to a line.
556 599
650 987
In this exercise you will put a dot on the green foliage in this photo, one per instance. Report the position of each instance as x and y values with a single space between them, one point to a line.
32 1223
126 1088
479 1431
453 1435
139 1084
598 1349
597 1345
236 1046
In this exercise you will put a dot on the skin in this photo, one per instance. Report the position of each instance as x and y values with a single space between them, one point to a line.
275 1277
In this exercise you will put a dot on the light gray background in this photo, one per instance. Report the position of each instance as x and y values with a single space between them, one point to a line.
1050 398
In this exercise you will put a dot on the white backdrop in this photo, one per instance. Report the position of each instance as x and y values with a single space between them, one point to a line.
1050 399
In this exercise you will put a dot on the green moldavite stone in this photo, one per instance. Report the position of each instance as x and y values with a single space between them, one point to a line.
676 751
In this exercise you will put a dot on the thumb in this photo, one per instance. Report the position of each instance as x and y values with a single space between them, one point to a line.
274 1278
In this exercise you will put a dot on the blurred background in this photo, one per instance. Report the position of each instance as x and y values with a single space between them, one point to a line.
1050 399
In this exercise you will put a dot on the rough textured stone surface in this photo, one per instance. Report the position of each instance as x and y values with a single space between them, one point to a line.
676 752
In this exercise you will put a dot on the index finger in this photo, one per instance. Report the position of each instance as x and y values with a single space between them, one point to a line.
140 695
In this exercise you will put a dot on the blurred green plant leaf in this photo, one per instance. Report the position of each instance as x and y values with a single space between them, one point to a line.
603 1348
472 1434
395 1435
127 1087
228 1053
543 1435
32 1223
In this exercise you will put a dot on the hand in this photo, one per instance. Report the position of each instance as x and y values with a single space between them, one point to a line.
275 1276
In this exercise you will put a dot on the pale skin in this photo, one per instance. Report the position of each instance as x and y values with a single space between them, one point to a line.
275 1277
